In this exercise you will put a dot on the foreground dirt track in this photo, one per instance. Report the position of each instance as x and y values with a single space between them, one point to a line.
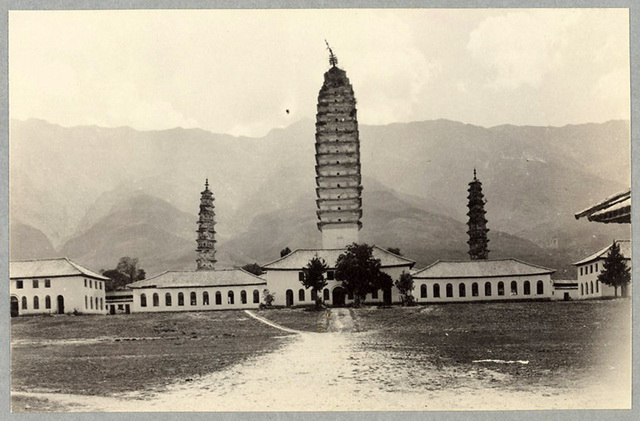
356 367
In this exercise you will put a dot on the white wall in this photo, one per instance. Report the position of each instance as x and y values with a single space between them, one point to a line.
71 288
199 291
279 281
548 291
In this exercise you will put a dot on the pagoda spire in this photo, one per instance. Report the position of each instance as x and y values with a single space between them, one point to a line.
333 60
206 231
478 230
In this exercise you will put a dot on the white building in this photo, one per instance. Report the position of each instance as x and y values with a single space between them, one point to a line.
55 286
119 302
566 289
590 267
482 280
284 277
224 289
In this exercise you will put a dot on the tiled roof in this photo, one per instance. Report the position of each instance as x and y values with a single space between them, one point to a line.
625 250
49 268
200 278
614 209
480 269
299 258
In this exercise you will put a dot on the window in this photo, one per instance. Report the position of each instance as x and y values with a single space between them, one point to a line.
100 284
36 303
374 294
86 303
314 295
97 302
590 268
462 290
47 302
91 303
101 304
193 299
597 286
230 297
24 303
527 288
143 300
449 289
500 288
156 300
474 289
180 299
85 282
256 296
218 298
301 295
19 285
90 283
331 275
205 298
539 288
514 288
325 294
580 271
301 276
436 290
423 291
167 299
592 287
596 267
487 289
243 297
35 283
581 289
47 283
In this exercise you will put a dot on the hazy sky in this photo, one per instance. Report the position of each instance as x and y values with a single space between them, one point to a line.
238 71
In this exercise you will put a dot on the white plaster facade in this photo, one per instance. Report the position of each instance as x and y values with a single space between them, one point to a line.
206 290
482 280
284 277
590 267
55 286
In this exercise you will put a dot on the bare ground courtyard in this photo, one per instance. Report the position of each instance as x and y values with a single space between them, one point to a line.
442 357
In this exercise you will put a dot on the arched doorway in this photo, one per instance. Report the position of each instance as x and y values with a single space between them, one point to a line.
60 304
289 298
15 306
338 296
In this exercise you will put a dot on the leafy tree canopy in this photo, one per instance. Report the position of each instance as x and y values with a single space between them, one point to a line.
314 277
394 250
126 272
285 251
405 286
253 268
360 272
615 272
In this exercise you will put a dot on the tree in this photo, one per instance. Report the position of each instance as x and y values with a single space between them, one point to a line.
360 272
253 268
126 272
405 286
268 298
394 250
285 251
615 272
314 278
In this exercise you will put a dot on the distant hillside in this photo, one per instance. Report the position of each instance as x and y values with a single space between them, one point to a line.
29 243
66 181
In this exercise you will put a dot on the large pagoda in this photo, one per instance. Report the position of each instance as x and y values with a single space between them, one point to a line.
338 178
478 230
206 231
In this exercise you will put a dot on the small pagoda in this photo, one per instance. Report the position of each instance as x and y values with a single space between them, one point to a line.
478 230
206 231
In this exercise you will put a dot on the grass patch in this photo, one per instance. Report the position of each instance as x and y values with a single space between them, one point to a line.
564 341
133 352
302 318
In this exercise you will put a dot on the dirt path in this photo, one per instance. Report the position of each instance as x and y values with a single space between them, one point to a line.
329 372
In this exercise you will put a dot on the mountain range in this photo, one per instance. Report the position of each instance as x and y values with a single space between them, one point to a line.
96 194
